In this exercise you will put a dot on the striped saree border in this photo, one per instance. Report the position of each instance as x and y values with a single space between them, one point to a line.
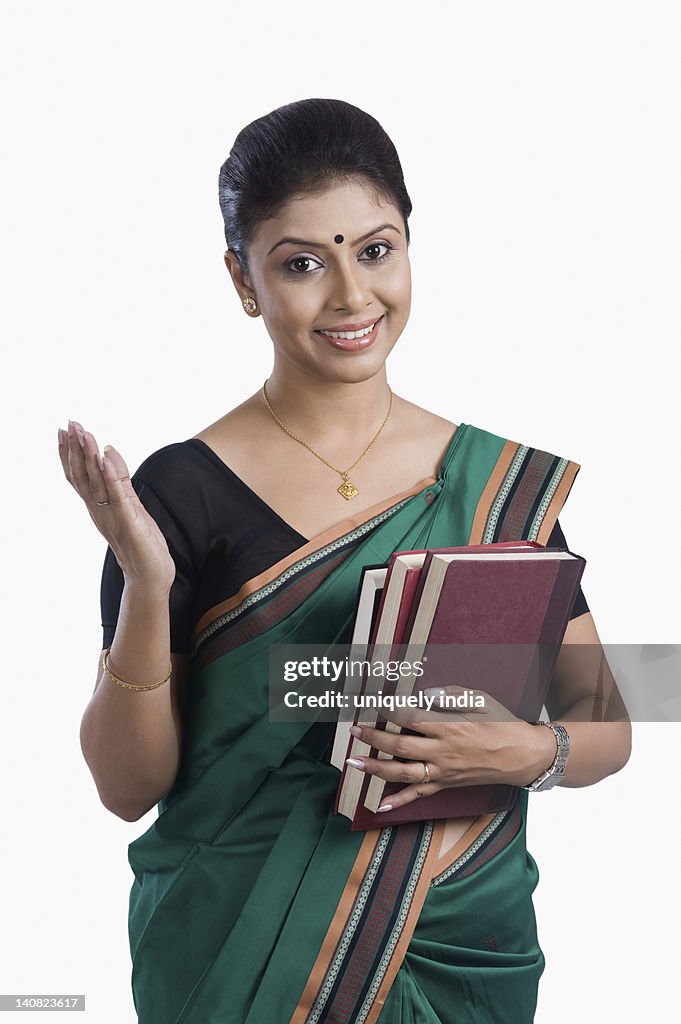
265 600
266 607
523 496
382 900
314 548
492 836
371 928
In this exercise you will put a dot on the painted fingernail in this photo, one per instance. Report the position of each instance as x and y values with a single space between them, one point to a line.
355 762
388 807
355 730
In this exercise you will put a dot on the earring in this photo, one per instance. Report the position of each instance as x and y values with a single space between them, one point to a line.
250 305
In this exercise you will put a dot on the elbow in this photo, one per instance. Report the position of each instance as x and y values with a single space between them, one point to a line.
127 812
622 752
126 808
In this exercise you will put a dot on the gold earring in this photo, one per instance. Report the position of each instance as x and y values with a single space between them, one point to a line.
250 305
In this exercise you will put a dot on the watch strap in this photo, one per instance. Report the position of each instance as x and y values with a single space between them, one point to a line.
556 771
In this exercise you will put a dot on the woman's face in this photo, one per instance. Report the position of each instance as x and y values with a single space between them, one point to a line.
334 261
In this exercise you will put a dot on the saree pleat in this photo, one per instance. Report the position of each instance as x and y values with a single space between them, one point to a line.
251 901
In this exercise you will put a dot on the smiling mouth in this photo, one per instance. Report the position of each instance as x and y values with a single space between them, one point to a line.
348 335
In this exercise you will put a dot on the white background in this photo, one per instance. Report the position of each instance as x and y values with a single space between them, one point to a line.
541 147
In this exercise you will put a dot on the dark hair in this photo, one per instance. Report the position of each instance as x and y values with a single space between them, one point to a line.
303 147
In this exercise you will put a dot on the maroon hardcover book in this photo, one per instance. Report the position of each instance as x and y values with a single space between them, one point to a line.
413 585
497 626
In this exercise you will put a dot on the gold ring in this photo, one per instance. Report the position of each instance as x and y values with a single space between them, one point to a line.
426 772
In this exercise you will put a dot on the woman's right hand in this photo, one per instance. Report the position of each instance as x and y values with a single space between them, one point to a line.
133 535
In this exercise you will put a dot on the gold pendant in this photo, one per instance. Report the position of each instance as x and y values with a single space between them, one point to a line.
348 489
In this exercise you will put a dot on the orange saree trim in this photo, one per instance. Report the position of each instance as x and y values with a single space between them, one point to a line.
491 490
333 935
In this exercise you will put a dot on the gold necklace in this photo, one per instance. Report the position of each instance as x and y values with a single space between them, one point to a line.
347 488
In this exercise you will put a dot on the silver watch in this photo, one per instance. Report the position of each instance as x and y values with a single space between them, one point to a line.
553 775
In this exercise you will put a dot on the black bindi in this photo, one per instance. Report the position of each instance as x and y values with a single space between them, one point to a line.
338 239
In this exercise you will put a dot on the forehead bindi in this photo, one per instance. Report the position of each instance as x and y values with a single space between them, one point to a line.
346 214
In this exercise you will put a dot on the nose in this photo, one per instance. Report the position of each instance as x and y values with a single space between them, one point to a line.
350 290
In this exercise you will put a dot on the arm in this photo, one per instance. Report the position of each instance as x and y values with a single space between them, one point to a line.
466 750
585 699
131 740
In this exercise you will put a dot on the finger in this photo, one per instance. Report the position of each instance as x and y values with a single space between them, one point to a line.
411 773
117 478
407 795
76 460
414 748
62 444
98 488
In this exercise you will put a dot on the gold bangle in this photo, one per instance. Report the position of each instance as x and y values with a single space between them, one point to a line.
131 686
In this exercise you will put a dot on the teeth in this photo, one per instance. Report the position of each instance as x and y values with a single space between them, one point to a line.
349 335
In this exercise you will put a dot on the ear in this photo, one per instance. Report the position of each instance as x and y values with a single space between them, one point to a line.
240 279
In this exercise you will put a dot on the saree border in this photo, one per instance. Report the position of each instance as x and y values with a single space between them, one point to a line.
266 599
321 543
523 496
521 501
366 941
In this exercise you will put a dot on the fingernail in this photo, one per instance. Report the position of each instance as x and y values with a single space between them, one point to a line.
355 730
388 807
107 447
100 461
60 436
81 438
355 762
434 691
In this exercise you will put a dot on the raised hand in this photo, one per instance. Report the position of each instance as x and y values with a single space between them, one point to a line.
103 482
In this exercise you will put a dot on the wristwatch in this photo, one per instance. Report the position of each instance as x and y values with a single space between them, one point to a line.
553 775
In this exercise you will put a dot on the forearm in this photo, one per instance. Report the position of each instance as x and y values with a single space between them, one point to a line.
597 749
130 739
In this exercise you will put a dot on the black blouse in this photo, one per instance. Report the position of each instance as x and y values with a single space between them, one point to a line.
219 533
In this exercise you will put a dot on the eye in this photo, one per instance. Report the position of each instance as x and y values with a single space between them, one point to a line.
302 265
374 254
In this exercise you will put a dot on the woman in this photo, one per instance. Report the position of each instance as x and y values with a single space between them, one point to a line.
253 902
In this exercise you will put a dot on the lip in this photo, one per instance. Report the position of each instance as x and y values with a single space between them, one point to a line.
353 344
351 327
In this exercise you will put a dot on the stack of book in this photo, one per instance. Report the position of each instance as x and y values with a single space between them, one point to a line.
488 618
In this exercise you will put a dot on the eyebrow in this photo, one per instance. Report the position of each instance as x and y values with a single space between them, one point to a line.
322 245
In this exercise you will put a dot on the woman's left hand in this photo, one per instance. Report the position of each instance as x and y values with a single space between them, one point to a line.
474 747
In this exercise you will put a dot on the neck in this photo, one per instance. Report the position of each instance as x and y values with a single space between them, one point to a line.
314 408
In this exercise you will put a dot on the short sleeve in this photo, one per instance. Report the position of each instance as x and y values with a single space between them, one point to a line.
557 540
183 590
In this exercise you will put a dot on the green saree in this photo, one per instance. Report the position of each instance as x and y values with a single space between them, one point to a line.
252 902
